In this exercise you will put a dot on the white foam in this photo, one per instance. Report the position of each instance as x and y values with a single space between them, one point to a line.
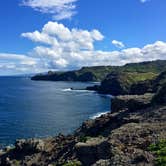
66 90
98 115
75 90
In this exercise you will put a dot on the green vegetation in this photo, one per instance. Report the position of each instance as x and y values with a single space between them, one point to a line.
73 163
84 139
159 149
154 66
136 77
16 162
98 73
133 77
145 68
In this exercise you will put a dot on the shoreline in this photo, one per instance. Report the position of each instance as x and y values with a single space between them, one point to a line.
92 117
101 132
126 135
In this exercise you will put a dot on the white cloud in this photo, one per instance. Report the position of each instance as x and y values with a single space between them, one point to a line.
62 38
40 37
62 48
59 9
74 48
17 63
118 44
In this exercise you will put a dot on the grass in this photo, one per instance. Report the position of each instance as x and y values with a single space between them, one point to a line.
159 149
72 163
84 139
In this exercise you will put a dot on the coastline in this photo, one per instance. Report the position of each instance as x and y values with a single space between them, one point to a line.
113 132
124 136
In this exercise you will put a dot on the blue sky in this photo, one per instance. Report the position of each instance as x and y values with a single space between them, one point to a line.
39 35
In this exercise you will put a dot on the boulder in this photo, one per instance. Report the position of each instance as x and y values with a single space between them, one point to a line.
92 150
130 102
115 83
30 145
142 87
160 97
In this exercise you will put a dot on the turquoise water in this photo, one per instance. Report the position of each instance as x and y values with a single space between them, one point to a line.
40 109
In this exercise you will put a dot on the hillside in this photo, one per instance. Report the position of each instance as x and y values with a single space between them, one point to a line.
98 73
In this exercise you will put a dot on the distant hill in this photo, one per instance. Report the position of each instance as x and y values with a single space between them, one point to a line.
98 73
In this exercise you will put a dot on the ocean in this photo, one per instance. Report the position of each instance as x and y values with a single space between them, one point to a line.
40 109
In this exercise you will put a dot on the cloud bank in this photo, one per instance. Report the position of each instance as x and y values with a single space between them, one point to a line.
19 64
63 48
59 9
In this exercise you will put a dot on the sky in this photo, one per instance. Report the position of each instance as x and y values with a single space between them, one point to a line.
41 35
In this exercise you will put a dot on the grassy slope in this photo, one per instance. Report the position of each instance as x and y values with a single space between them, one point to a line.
148 70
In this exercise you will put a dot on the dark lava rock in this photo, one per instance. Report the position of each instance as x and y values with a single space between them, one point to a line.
30 146
160 96
142 87
131 102
92 150
119 138
115 83
125 83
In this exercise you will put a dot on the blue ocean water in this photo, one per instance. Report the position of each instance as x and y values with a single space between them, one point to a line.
40 109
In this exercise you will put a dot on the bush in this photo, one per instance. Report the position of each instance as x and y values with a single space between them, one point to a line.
159 149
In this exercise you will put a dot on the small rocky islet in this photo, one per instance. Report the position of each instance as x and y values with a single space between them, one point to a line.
133 133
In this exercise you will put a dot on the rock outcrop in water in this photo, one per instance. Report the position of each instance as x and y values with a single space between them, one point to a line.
120 83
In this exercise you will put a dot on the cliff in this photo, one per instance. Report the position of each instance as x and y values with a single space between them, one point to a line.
134 133
124 83
98 73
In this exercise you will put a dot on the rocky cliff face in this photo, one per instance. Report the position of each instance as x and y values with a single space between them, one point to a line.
119 138
122 83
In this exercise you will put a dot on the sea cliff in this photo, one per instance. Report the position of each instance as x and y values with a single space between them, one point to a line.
146 70
133 133
122 137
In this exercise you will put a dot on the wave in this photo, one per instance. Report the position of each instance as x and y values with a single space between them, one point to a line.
75 90
98 115
67 89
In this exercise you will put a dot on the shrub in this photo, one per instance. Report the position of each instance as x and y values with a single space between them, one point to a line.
159 149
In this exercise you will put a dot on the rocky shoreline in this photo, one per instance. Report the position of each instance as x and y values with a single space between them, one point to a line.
126 136
121 137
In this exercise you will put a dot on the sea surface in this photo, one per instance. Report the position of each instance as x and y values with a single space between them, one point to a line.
40 109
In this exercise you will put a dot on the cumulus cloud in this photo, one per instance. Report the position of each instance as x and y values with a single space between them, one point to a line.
59 9
61 48
118 44
64 48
